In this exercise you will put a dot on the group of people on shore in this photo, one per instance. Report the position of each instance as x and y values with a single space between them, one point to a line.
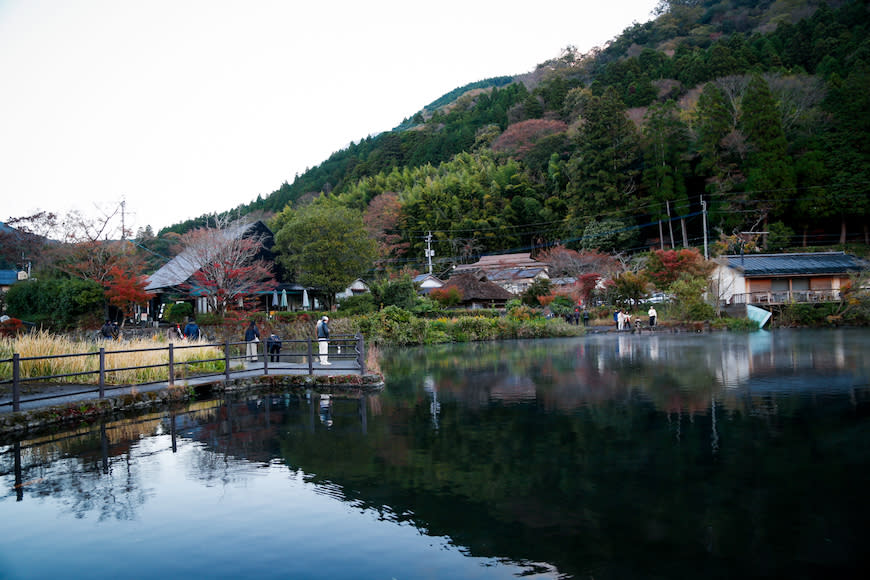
623 319
576 316
110 331
274 342
191 331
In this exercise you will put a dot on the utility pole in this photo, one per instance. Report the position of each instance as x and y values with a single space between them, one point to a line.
704 214
123 229
670 225
429 252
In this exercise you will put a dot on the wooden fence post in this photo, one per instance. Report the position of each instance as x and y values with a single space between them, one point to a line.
265 358
171 364
227 358
361 353
16 387
102 372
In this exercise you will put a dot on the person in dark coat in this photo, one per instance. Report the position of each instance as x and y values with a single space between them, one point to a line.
322 328
252 337
273 345
191 330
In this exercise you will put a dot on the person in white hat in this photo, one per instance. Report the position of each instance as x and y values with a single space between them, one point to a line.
323 340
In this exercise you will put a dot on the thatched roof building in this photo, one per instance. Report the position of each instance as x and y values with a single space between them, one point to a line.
478 292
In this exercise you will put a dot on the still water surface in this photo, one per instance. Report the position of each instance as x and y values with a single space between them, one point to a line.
666 456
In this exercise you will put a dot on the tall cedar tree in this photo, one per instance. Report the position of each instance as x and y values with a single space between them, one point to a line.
770 177
665 152
604 173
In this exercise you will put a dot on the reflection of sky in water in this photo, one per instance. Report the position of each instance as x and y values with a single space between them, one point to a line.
205 515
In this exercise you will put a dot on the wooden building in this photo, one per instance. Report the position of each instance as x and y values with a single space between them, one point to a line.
783 278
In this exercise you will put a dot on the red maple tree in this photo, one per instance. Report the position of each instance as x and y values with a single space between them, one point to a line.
664 267
125 290
229 271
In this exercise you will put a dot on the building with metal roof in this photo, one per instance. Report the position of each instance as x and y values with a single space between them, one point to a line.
783 278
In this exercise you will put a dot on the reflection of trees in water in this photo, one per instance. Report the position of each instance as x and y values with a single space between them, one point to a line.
616 478
109 489
678 373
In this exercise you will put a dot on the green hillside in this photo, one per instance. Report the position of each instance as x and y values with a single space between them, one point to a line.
760 108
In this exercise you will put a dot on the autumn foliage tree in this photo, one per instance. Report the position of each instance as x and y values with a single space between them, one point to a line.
566 262
520 138
228 266
125 290
446 297
664 267
381 220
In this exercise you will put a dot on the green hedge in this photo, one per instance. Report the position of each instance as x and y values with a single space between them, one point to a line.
56 303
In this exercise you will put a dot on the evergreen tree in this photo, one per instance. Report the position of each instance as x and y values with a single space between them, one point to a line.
665 140
604 173
848 102
770 174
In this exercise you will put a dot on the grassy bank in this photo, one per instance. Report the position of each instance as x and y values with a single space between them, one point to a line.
43 343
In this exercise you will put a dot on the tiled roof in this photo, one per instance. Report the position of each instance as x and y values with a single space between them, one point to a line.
755 265
514 273
501 262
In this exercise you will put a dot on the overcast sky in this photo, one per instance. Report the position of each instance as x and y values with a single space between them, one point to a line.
185 107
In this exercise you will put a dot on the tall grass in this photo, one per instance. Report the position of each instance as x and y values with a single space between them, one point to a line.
43 343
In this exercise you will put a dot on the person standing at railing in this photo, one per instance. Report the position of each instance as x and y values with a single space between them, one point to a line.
323 340
252 337
273 345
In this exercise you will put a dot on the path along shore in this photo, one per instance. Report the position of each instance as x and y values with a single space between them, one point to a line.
47 405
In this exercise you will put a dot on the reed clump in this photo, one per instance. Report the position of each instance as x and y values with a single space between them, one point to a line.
190 357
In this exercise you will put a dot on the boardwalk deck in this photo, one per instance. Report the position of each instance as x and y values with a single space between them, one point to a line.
44 395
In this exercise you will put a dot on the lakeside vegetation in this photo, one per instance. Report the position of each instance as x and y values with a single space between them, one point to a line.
45 344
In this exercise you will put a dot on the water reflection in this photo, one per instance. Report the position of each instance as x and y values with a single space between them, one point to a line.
608 456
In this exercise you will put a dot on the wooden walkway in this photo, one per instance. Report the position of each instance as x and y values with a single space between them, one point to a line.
36 396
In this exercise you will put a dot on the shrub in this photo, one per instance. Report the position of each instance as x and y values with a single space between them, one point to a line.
393 325
446 297
736 324
178 312
57 303
535 290
522 312
401 292
10 327
359 304
475 328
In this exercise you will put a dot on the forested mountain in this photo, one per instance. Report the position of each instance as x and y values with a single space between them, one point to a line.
759 107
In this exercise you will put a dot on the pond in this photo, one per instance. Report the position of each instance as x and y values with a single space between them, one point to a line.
630 456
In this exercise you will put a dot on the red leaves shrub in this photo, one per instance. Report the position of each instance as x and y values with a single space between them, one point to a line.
10 327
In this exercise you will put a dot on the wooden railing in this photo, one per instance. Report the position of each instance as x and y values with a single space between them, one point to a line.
786 297
342 347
